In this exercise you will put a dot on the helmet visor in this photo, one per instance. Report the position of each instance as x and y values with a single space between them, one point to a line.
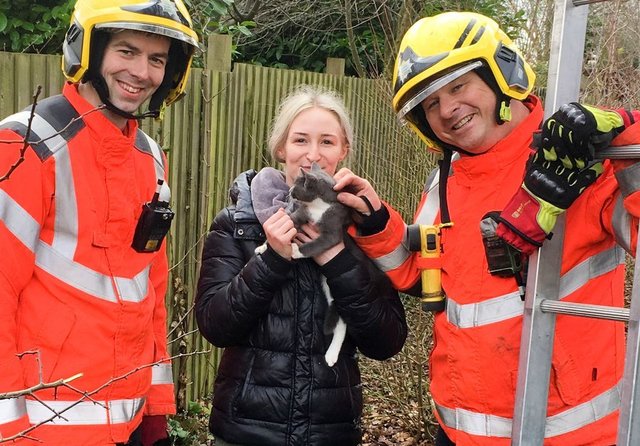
153 29
434 86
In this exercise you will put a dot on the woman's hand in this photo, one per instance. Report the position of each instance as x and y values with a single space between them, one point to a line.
280 232
309 232
353 190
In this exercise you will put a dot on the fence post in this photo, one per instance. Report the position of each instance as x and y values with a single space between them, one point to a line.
219 52
335 66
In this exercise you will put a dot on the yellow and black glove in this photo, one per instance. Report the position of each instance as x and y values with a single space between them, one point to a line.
557 173
548 189
575 132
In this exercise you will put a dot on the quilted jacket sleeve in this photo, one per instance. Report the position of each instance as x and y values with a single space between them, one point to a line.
235 287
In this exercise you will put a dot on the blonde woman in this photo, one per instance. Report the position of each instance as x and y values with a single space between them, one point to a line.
267 310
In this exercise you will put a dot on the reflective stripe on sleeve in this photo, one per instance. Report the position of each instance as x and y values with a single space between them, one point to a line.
71 413
504 307
161 374
19 222
629 179
622 225
395 258
12 409
594 266
487 425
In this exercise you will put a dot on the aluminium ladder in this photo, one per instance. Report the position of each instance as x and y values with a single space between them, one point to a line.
542 302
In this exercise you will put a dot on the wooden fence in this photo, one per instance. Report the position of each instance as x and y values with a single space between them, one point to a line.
215 132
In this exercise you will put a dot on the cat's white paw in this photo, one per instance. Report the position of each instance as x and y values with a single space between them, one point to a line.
261 249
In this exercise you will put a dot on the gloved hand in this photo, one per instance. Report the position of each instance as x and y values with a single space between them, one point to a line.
548 189
575 132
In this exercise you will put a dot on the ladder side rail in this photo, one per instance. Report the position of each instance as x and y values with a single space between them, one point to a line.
629 421
534 367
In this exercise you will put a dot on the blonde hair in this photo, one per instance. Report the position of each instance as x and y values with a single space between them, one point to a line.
303 98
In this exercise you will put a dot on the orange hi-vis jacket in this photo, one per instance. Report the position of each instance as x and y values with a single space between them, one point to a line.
75 299
474 360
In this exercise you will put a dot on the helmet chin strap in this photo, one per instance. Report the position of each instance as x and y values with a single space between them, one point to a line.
101 88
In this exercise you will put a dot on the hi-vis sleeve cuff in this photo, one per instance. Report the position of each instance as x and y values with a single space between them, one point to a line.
160 399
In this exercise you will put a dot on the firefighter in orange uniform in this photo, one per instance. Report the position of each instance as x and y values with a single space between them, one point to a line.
83 271
464 88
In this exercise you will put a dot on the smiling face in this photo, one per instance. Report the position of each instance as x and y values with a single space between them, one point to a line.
462 113
315 135
133 68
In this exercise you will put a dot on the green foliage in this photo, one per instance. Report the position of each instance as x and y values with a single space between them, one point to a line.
208 17
302 35
191 427
511 21
34 28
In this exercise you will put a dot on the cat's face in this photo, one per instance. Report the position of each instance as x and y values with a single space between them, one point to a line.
313 184
315 135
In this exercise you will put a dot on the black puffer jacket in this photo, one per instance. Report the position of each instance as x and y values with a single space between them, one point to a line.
273 386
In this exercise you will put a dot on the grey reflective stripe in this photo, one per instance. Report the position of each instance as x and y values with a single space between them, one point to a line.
161 374
622 225
475 423
431 207
12 409
19 222
65 238
486 312
156 152
395 258
427 216
629 179
594 266
89 281
487 425
66 218
71 413
504 307
585 413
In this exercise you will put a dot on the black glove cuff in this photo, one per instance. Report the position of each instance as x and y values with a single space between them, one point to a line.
374 223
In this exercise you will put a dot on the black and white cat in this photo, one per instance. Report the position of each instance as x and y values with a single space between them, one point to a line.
313 200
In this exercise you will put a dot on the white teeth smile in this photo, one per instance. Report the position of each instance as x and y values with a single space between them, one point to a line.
462 122
129 88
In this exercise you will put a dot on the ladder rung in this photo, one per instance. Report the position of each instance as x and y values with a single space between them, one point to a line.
621 152
585 310
586 2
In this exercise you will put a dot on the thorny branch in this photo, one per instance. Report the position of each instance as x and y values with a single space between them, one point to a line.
25 143
84 395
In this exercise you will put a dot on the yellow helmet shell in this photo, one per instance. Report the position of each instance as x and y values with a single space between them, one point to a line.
451 44
168 18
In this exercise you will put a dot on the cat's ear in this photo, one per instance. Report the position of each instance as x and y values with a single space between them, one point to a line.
315 167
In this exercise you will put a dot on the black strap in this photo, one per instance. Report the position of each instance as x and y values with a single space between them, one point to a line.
445 167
